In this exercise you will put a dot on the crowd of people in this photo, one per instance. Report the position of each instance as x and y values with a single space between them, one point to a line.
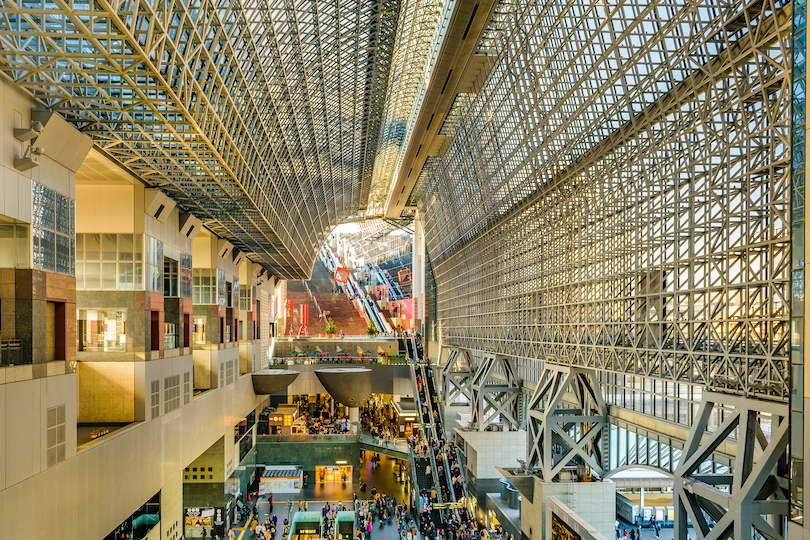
318 425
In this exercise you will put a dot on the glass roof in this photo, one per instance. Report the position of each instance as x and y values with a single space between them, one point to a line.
260 117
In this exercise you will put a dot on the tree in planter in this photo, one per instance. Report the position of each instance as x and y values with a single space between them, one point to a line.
371 329
343 476
323 477
330 327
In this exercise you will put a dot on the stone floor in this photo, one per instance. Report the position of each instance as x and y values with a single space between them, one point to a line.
380 477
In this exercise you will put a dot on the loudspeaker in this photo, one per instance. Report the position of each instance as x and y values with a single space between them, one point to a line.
238 257
189 225
157 204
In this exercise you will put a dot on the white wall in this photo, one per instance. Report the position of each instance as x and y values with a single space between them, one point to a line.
493 449
94 490
594 502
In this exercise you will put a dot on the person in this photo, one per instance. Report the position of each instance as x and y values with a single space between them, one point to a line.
632 534
231 534
624 534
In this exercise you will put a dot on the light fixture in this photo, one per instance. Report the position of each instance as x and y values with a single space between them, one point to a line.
22 134
27 161
341 462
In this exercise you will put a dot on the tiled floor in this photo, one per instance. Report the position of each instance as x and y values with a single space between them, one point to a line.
381 478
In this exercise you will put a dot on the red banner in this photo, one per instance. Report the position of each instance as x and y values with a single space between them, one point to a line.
303 314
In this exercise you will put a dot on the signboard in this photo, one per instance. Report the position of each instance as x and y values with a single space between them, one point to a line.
279 485
219 521
451 505
303 314
561 531
405 276
207 512
342 274
233 486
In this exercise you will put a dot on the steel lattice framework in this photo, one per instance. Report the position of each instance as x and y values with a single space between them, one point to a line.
616 196
262 117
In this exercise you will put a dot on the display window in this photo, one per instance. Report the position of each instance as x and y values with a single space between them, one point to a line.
334 473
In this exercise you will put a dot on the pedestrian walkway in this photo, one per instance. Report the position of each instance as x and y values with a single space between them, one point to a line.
286 510
666 533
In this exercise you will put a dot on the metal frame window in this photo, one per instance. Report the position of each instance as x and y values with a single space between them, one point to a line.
55 435
155 398
53 230
171 393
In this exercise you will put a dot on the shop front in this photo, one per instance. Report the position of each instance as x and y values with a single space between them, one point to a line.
334 473
210 519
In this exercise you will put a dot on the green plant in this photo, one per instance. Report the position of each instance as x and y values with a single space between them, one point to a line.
371 329
330 326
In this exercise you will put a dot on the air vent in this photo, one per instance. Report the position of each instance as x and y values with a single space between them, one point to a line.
469 23
447 80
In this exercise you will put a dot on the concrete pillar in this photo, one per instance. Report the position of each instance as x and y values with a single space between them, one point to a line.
354 416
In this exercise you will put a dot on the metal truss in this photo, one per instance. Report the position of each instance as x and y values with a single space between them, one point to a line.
751 498
560 436
379 240
493 399
262 117
457 376
616 195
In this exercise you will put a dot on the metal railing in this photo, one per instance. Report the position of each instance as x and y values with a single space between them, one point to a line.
11 353
304 360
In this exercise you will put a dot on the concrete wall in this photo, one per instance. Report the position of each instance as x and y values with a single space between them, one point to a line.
487 450
594 502
95 489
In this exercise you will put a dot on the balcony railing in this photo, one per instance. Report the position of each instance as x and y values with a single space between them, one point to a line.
11 353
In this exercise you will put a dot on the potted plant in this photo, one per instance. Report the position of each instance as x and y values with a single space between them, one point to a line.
323 477
330 327
371 329
343 477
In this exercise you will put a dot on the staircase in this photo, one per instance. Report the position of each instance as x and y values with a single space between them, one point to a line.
340 308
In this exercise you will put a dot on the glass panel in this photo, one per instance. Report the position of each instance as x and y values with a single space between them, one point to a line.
109 247
92 247
126 276
92 276
109 276
125 247
63 221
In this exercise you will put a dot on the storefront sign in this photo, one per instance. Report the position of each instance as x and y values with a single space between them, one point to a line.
233 486
208 512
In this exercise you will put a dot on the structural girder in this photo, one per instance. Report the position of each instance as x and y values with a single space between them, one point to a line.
576 427
602 223
751 497
493 399
456 376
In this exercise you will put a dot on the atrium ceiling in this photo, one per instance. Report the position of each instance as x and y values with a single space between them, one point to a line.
263 118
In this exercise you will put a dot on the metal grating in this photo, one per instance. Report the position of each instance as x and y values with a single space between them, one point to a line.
617 194
262 117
